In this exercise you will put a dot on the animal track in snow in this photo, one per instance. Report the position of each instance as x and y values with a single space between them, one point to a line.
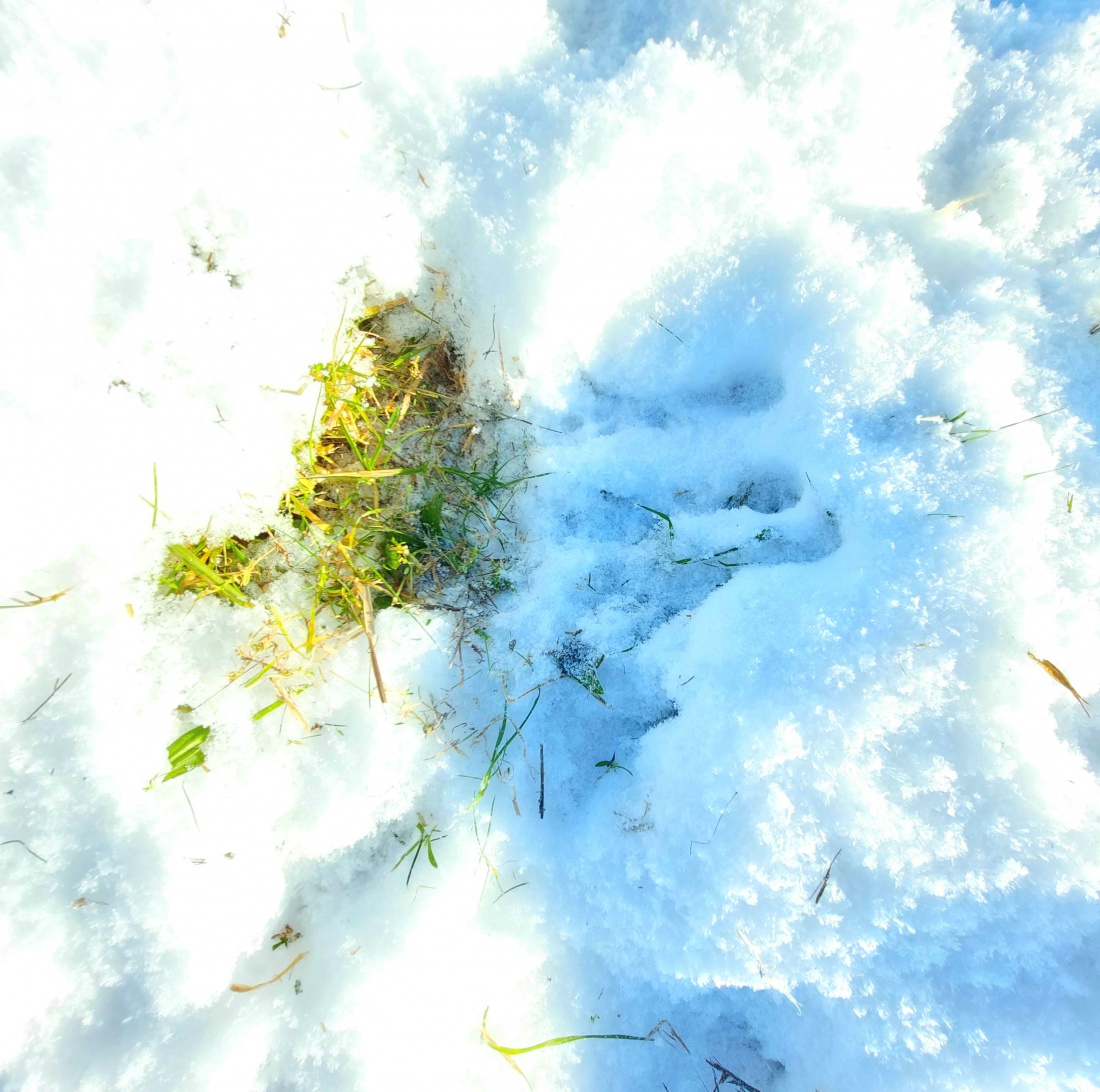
767 489
672 475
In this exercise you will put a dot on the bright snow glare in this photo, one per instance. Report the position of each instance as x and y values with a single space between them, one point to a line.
761 755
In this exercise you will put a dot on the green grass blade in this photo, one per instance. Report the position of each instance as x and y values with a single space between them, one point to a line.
559 1040
666 518
185 752
257 677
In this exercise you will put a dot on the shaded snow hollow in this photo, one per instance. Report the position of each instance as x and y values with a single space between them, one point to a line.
739 265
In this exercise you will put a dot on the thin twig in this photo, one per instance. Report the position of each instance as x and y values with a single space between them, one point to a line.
542 784
724 1076
1052 470
191 806
1058 409
694 842
368 629
668 331
57 685
493 343
35 600
509 416
20 842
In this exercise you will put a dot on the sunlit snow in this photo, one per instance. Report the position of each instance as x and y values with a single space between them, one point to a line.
791 301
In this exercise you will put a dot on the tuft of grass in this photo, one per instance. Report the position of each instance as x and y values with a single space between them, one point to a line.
500 748
285 937
209 569
609 764
396 500
390 492
423 842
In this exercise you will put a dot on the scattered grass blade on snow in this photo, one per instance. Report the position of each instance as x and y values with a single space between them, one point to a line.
423 842
155 502
499 749
560 1040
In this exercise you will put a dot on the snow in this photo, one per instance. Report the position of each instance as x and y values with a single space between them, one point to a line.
740 266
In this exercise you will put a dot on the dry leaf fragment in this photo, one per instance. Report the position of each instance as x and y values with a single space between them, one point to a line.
237 988
1057 675
953 206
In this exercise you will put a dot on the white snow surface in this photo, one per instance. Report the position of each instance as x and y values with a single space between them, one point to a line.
738 263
